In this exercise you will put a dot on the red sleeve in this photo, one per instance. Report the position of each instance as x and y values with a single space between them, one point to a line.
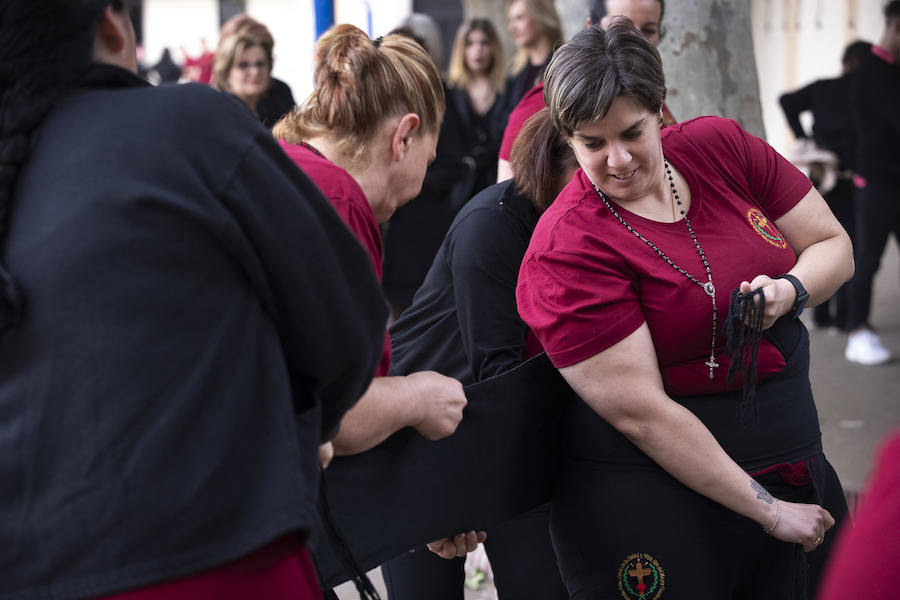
574 291
573 319
864 561
529 105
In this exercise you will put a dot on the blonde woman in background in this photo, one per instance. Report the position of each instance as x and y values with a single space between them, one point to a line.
535 27
475 89
276 99
242 66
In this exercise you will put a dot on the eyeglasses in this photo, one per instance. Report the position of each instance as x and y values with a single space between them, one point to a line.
260 64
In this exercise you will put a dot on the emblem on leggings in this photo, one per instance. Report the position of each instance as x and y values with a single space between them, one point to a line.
641 578
766 228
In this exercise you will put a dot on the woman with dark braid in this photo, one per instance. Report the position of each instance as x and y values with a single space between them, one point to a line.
166 372
679 481
365 136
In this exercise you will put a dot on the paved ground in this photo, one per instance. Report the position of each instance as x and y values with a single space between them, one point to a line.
858 406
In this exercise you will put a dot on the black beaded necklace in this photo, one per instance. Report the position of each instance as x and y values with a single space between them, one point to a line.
708 287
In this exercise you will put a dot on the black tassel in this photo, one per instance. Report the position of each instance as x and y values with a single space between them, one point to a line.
743 333
363 585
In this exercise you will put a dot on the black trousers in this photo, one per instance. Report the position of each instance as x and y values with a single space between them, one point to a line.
521 558
840 201
623 531
877 210
624 528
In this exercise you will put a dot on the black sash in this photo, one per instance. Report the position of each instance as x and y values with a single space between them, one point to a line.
506 453
408 491
786 431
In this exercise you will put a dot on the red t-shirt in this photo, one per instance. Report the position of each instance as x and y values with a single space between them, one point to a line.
586 282
528 106
864 562
280 570
350 201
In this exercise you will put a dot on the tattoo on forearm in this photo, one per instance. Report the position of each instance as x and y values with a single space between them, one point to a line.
762 493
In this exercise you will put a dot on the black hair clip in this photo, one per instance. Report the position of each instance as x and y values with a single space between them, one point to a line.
378 41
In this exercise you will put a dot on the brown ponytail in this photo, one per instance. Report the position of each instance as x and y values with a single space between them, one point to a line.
539 157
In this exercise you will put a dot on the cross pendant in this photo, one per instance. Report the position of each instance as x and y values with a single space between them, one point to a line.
712 364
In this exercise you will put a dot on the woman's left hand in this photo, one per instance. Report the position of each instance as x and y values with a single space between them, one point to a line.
780 296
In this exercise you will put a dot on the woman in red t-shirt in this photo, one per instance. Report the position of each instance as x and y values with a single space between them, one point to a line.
626 284
365 136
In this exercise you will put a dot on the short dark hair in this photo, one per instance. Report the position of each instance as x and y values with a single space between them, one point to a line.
892 10
595 67
855 53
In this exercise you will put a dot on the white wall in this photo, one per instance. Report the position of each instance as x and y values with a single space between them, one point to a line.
173 23
293 25
386 15
176 23
799 41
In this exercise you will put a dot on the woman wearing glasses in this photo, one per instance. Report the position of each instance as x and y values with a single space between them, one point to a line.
242 67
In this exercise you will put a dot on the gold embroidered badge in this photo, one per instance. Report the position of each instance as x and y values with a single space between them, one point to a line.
765 228
641 578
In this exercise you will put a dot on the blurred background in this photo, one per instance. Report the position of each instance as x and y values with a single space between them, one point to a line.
726 57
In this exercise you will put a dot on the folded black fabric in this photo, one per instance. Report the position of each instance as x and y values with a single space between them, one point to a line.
501 461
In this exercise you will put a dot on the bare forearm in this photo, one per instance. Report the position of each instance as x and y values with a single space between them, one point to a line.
823 248
624 386
824 267
428 401
387 406
679 443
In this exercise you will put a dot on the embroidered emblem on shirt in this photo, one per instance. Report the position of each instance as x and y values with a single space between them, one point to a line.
641 578
766 228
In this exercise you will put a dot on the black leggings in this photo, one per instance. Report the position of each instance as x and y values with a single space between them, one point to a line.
521 558
877 215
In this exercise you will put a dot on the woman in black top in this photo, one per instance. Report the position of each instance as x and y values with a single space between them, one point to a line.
463 323
475 86
535 27
169 360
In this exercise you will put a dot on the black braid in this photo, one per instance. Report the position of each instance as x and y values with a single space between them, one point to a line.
45 47
743 332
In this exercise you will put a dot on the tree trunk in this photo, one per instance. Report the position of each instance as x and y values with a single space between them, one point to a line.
707 54
708 58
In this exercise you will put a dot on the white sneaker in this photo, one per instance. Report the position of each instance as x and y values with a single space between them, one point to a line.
865 347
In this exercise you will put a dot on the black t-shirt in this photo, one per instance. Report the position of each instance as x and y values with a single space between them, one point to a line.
463 321
277 102
833 127
197 318
875 96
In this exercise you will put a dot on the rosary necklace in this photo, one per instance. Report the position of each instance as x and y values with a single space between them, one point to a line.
708 287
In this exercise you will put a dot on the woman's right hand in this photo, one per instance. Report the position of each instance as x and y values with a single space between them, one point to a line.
457 546
440 401
804 524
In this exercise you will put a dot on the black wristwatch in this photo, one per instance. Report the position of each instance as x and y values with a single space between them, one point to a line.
802 295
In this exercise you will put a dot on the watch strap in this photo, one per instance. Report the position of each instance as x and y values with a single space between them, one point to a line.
802 294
